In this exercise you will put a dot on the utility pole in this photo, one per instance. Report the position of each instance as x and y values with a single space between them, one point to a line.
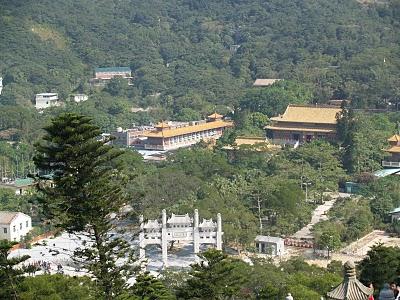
259 212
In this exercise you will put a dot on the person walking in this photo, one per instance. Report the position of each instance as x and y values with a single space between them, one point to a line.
386 293
371 286
395 290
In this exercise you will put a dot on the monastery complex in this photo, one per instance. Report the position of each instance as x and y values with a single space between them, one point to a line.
303 123
167 137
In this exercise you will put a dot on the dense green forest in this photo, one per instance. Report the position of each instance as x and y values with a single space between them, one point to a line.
192 57
189 57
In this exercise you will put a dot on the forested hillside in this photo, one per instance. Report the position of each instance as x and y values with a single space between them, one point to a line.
185 49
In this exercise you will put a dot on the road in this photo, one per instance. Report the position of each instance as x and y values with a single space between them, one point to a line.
319 215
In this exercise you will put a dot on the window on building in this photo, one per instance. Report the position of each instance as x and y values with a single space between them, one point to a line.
5 230
20 226
27 224
14 229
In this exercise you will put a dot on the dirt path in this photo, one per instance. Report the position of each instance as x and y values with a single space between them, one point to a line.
319 215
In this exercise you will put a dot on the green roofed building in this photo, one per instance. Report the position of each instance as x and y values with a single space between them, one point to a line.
19 185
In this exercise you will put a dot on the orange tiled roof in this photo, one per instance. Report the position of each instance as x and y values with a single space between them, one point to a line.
171 132
309 114
394 138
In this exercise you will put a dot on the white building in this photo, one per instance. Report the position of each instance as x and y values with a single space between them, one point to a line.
271 245
14 225
263 82
395 214
46 100
79 97
1 84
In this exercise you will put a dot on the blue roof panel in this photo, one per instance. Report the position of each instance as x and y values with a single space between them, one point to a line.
396 210
386 172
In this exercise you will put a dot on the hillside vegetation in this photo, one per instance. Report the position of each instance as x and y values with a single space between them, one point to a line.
184 50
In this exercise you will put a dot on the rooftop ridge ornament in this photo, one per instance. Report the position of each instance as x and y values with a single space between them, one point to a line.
179 228
350 270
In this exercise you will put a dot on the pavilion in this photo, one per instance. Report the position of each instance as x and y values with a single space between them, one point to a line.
393 161
350 288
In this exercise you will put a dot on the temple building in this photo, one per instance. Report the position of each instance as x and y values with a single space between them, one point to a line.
393 161
303 123
350 288
170 137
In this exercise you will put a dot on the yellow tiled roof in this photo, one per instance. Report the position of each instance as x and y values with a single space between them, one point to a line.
215 116
162 125
171 132
394 149
309 114
395 138
305 129
241 140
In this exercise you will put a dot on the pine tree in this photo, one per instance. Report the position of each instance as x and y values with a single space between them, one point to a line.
215 277
86 191
147 287
10 275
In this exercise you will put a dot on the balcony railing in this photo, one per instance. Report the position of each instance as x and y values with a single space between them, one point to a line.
391 164
283 142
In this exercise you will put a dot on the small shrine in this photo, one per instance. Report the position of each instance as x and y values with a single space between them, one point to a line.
179 228
271 245
350 288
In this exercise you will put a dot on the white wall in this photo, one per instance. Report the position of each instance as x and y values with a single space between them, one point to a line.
80 98
19 227
46 100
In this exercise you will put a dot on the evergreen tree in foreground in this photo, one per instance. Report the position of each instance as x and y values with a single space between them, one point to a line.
215 277
10 275
148 287
86 191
